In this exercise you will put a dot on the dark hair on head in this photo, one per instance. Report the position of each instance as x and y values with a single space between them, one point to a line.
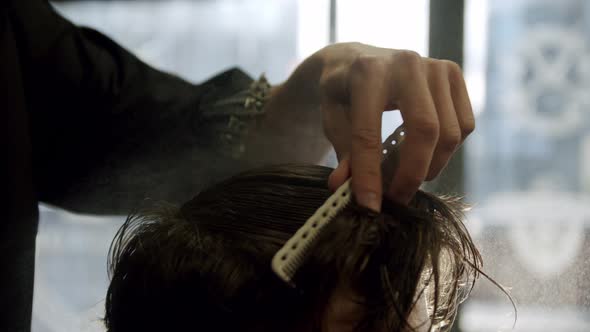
206 265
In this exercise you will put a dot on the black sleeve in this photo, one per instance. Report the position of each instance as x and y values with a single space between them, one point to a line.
97 111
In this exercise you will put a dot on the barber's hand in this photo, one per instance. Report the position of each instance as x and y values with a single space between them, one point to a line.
356 83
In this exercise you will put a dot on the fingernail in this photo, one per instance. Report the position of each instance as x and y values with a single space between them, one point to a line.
369 200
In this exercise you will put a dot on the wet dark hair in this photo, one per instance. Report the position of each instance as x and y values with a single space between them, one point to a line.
206 265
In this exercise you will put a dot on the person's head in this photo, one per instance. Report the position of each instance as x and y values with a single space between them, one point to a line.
206 266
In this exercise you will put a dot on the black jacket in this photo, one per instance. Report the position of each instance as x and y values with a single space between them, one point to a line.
87 126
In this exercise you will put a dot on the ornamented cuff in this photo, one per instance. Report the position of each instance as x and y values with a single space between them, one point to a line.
234 115
244 104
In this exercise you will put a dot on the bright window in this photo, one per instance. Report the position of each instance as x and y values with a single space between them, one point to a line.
528 170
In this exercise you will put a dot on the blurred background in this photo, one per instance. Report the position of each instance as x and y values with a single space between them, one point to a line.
526 170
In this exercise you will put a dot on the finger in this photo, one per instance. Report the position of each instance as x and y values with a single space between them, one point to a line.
421 123
461 101
450 131
367 101
340 174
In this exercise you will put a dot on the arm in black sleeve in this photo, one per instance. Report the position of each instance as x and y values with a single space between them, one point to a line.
102 120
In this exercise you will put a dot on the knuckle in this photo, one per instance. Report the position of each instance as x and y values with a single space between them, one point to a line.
365 69
428 130
408 64
468 128
366 65
455 73
332 84
367 139
366 176
436 66
408 58
452 67
450 140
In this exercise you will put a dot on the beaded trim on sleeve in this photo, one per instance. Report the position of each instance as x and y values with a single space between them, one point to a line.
246 103
236 112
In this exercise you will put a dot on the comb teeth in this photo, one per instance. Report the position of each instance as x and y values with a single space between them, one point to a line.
293 260
292 255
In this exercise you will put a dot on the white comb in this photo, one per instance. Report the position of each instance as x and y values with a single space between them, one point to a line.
292 255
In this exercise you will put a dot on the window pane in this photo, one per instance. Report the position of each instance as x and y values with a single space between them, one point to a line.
394 24
527 66
199 38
